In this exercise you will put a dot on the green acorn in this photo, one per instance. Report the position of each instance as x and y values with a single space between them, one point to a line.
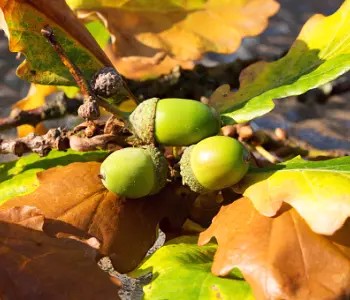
173 122
134 172
213 164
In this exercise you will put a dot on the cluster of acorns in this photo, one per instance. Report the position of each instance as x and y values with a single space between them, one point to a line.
214 163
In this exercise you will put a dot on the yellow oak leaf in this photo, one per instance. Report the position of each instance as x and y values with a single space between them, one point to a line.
181 30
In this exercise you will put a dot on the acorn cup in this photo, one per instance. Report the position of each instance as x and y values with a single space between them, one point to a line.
213 164
173 122
134 172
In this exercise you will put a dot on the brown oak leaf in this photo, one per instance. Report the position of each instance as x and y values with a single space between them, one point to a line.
280 257
36 266
75 202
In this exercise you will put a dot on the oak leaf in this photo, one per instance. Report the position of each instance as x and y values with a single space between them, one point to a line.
320 54
19 177
280 257
75 196
318 190
172 33
23 21
182 263
36 266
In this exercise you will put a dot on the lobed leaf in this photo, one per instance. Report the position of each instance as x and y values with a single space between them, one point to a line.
36 266
320 54
280 257
24 21
152 37
19 177
74 196
181 270
319 191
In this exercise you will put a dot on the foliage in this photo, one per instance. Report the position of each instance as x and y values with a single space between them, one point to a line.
286 238
19 177
280 257
25 19
152 37
319 54
322 186
33 263
126 229
178 262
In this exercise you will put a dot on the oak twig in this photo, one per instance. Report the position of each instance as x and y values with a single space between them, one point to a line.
89 110
54 110
107 136
53 139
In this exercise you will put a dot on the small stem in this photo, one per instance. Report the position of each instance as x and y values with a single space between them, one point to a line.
267 155
86 90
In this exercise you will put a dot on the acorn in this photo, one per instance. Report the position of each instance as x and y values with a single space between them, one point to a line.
134 172
213 164
173 121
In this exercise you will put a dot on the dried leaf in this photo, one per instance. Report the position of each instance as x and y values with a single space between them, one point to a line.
36 266
126 229
181 263
280 257
179 31
27 216
320 54
36 98
319 191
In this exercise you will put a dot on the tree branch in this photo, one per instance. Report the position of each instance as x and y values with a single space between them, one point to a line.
111 136
53 139
54 110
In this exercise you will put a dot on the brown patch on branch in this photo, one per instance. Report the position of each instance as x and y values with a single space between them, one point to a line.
41 144
111 135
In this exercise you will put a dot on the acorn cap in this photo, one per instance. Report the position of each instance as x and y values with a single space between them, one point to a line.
160 167
187 174
106 82
142 120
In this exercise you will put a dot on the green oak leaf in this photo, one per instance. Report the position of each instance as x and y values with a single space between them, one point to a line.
319 191
19 177
23 21
182 270
320 54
